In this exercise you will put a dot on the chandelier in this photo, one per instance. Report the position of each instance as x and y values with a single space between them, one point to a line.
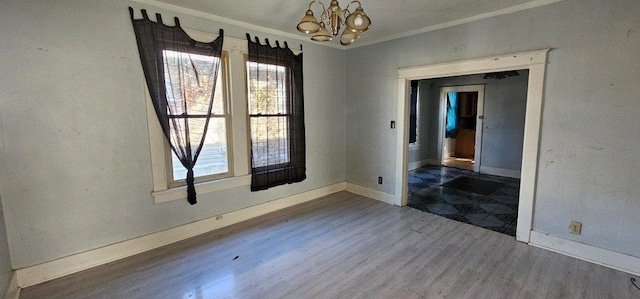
355 22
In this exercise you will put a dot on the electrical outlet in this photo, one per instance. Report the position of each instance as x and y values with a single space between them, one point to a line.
393 124
380 180
575 227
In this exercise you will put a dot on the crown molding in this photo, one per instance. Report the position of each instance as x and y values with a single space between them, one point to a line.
505 11
253 27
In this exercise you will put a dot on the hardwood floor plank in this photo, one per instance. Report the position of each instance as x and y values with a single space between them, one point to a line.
344 246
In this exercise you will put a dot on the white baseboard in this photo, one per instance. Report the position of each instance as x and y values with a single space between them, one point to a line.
510 173
371 193
57 268
433 162
71 264
13 290
416 164
589 253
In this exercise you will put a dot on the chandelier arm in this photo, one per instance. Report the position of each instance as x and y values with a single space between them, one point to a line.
315 1
324 15
347 12
354 1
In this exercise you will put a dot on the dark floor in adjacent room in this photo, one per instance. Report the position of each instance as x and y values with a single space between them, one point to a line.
497 210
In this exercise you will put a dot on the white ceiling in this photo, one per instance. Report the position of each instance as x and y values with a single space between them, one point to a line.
390 19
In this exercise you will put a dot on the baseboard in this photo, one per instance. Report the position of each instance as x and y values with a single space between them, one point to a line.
29 276
371 193
589 253
510 173
57 268
433 162
418 164
13 290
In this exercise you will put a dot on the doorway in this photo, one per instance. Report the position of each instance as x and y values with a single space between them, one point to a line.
460 133
535 62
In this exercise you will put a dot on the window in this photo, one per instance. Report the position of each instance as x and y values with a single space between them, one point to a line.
180 74
223 162
276 112
214 158
269 114
186 74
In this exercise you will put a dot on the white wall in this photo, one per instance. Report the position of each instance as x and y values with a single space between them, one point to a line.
5 262
75 167
504 111
589 162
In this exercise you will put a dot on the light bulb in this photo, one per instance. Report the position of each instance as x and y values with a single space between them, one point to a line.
358 20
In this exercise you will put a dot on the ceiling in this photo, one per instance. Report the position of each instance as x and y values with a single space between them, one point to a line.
390 19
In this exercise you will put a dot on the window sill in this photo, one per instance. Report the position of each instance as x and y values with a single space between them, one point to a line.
201 188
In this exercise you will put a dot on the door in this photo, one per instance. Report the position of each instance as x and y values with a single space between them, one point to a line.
460 142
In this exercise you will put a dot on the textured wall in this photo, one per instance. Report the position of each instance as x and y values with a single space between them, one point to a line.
588 164
75 167
5 262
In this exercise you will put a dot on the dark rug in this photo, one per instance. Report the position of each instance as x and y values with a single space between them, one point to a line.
473 185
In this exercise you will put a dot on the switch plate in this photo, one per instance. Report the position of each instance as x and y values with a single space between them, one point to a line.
393 124
575 227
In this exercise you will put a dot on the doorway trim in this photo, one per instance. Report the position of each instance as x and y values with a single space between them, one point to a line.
479 88
535 62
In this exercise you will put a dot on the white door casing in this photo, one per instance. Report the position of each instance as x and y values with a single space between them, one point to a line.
535 62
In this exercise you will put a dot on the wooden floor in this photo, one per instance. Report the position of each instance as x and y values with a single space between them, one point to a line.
344 246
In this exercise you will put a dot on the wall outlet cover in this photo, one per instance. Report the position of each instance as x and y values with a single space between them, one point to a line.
575 227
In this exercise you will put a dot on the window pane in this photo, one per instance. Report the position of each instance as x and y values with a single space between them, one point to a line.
213 158
267 99
267 89
190 75
270 140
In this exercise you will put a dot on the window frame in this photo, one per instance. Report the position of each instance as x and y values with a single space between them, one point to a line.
288 115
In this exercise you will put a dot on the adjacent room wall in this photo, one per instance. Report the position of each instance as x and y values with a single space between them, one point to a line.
588 163
75 166
5 262
504 111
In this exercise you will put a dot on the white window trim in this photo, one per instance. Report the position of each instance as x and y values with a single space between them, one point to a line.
236 48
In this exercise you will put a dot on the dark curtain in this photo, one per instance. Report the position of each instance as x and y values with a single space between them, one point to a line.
451 128
413 113
181 76
276 113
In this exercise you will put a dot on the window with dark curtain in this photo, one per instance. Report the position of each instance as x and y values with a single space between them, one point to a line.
181 75
413 113
276 114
